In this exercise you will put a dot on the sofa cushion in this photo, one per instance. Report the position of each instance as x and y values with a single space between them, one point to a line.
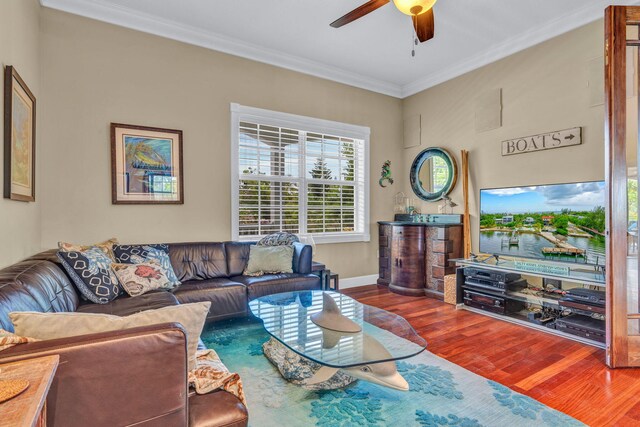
46 326
91 273
276 283
125 306
138 254
198 261
269 260
219 408
228 298
34 285
237 256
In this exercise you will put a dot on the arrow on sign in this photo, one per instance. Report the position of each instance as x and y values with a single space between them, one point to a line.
570 137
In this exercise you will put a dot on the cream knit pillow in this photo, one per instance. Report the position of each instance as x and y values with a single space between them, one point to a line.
47 326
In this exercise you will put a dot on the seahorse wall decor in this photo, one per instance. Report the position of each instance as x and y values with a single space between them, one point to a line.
385 175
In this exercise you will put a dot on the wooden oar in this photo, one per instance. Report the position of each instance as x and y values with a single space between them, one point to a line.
466 230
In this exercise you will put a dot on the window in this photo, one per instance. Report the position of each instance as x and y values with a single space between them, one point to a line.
300 175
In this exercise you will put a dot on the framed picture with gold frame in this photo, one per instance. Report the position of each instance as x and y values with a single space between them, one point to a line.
19 138
146 165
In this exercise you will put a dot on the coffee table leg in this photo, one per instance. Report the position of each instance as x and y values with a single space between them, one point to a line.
300 370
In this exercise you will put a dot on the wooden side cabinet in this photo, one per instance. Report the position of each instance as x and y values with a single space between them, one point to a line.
407 260
384 254
28 409
415 257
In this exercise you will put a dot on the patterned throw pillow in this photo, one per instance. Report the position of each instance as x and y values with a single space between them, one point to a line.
278 239
92 274
137 254
106 247
137 279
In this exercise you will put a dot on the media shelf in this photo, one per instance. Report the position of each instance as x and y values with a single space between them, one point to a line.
568 304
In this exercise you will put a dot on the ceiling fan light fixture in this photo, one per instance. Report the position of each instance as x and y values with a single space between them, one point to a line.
414 7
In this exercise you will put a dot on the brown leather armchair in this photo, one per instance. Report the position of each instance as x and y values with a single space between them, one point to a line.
136 377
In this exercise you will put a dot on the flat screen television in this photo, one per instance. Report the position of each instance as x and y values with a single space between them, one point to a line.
557 222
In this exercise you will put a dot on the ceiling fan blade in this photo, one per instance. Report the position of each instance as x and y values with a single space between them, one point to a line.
424 25
359 12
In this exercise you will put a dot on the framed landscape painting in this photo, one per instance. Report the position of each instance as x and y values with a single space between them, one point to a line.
19 138
146 165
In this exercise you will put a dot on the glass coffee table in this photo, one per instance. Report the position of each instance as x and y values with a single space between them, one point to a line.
313 356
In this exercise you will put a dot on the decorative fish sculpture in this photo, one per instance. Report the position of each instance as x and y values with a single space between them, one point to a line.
381 373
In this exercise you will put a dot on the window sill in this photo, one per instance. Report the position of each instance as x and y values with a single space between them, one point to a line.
322 239
348 238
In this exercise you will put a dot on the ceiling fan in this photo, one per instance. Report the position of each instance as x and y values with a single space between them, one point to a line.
421 12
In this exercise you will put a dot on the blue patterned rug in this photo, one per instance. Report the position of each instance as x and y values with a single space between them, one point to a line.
441 394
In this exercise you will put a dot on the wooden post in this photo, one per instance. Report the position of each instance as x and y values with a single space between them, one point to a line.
623 349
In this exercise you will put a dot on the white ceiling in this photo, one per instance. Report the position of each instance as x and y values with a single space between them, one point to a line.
373 52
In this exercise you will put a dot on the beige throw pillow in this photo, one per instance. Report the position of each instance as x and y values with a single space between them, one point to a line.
106 247
269 259
137 279
46 326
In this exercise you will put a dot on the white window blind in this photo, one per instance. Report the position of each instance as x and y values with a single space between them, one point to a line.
298 174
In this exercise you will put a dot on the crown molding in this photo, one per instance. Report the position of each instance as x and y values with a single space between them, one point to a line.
133 19
136 20
553 28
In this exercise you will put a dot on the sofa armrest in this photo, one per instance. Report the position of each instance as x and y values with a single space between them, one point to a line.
302 255
136 376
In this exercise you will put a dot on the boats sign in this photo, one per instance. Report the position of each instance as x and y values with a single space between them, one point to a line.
543 141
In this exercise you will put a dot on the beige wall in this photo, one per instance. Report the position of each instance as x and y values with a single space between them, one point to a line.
19 46
544 88
96 73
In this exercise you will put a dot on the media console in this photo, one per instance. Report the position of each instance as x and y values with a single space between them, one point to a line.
571 305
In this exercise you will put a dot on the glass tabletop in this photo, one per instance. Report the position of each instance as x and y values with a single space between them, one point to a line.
385 336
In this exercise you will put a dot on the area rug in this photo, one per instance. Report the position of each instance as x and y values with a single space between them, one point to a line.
441 393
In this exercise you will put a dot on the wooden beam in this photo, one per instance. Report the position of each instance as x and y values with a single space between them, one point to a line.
616 184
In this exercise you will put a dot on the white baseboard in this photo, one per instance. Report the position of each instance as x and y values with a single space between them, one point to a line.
353 282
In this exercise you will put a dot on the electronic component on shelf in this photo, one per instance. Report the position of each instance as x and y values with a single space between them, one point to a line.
501 287
585 296
491 280
582 326
490 275
580 307
492 303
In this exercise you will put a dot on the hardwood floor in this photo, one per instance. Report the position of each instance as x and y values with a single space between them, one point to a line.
560 373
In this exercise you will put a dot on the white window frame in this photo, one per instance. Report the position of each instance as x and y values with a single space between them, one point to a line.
241 113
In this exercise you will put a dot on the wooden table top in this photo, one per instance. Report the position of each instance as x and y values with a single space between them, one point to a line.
24 409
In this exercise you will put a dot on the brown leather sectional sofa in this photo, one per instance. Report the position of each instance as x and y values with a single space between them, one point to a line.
108 379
